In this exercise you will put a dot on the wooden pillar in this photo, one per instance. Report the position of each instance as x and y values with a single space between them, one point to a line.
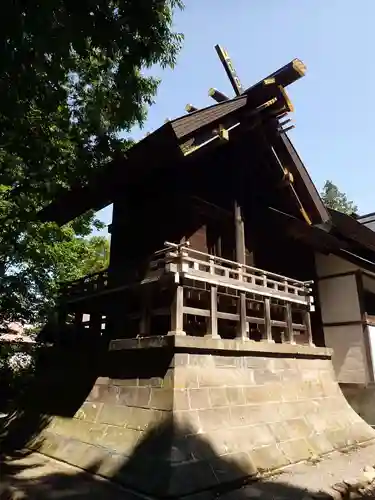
307 321
177 312
240 234
289 323
144 323
242 330
241 259
267 320
212 323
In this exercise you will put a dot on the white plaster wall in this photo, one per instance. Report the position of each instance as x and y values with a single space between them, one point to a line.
349 358
340 304
327 265
339 299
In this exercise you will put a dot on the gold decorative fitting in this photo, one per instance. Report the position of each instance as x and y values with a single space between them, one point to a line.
189 108
269 81
267 104
223 134
299 67
305 216
288 103
288 177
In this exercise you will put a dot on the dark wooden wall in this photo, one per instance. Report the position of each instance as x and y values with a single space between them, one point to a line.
194 201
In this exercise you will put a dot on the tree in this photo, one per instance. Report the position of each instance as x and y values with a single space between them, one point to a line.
71 79
97 258
335 199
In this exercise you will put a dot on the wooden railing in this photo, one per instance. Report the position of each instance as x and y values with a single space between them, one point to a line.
222 289
193 264
91 284
247 285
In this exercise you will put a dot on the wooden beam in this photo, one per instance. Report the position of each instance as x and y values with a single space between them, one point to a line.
307 322
285 130
284 76
307 192
242 330
208 209
212 324
289 323
241 259
217 95
240 234
267 320
189 108
284 122
229 69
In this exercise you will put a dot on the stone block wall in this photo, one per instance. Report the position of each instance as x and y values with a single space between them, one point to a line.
263 412
131 398
171 416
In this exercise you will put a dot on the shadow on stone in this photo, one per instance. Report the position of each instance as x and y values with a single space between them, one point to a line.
167 444
151 420
64 375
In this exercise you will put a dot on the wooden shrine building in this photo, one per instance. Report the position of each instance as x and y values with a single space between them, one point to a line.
228 279
216 223
197 246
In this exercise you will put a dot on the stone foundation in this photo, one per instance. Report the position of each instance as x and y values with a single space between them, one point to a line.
171 416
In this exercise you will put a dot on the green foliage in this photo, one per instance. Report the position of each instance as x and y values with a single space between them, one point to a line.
71 80
97 257
16 371
335 199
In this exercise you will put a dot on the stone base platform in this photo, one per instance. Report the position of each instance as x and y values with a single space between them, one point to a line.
171 416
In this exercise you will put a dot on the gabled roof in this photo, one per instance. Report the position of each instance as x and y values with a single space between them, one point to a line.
187 136
165 145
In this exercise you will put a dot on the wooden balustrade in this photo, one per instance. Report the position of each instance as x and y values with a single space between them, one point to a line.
200 266
90 284
245 282
223 291
243 319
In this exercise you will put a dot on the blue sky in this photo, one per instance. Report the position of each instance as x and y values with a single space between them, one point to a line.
334 103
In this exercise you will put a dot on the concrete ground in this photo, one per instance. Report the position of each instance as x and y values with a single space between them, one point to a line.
300 481
36 476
